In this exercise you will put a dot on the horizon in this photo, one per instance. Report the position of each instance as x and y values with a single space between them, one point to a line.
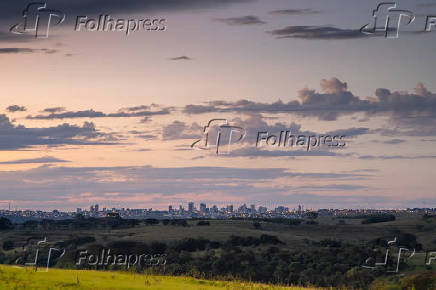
121 117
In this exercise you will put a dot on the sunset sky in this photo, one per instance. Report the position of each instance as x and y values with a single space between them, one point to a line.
101 117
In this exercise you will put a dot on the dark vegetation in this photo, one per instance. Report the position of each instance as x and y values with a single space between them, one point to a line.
263 258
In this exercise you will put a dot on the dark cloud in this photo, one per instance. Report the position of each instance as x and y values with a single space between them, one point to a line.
389 157
59 113
16 108
306 11
254 152
317 32
6 36
243 20
183 57
54 110
12 9
14 137
45 159
16 50
394 141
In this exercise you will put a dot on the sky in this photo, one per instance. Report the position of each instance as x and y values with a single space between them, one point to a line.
104 117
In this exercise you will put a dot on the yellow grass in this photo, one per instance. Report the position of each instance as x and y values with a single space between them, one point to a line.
28 278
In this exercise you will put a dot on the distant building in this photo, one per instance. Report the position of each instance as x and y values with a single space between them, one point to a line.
262 209
203 207
252 209
170 209
78 210
191 207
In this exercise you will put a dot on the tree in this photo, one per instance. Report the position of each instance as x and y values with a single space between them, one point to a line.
257 225
8 245
312 215
5 224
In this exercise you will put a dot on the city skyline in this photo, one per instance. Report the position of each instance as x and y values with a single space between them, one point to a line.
105 117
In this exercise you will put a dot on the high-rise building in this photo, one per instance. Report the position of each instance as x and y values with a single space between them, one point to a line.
79 210
230 208
203 207
91 209
191 207
262 209
252 209
170 209
96 208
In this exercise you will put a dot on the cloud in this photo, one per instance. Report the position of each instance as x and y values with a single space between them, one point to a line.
14 137
414 113
179 130
183 57
11 10
394 141
306 11
243 20
252 125
254 152
16 108
45 159
141 186
391 157
60 113
16 50
54 110
8 37
317 32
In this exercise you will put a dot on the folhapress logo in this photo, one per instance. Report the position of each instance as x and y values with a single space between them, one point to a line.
38 19
218 134
388 19
391 20
52 255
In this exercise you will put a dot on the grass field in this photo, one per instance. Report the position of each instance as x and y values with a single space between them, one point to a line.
20 278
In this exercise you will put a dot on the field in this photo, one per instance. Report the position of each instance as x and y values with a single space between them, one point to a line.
15 278
328 252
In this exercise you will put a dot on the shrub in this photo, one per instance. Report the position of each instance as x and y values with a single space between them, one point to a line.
8 245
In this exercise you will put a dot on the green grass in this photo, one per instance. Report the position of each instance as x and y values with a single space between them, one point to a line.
27 278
